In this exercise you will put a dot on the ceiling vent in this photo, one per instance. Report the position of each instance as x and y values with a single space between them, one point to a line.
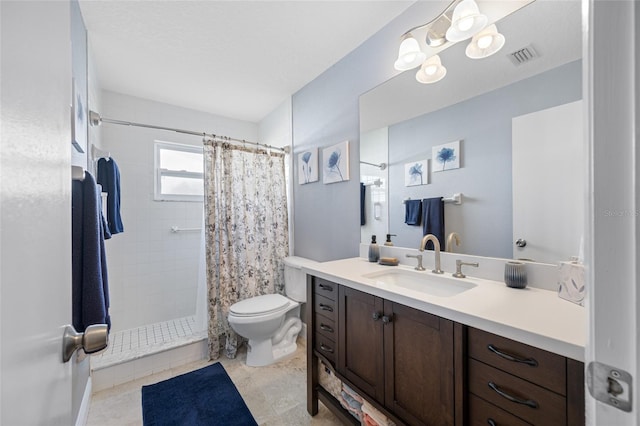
524 55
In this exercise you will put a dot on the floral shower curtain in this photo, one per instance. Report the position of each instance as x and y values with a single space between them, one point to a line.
246 231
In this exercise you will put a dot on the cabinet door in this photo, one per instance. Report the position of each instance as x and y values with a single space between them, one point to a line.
419 372
360 355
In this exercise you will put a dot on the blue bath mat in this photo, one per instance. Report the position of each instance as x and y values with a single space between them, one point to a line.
202 397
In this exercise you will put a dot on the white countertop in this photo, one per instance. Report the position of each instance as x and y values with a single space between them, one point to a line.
532 316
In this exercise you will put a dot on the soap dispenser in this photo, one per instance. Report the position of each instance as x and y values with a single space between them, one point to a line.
374 250
389 242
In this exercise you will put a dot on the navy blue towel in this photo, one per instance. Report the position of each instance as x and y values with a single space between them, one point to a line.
433 219
109 178
90 288
412 212
363 192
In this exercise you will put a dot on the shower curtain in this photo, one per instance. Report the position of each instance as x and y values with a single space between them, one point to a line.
247 234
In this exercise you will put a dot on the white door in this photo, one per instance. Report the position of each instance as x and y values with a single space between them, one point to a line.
548 162
35 212
612 87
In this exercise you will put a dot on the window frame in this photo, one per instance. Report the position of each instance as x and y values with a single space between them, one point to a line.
159 172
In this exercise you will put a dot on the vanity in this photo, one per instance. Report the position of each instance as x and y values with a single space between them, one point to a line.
458 351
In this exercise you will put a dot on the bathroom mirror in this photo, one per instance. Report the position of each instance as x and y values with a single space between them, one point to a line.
479 105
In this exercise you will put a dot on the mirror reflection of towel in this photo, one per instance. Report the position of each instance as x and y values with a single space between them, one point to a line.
109 178
363 192
413 212
433 219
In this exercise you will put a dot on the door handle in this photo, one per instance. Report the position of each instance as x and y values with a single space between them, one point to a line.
95 338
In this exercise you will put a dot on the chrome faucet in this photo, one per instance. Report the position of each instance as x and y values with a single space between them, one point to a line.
436 251
419 257
454 236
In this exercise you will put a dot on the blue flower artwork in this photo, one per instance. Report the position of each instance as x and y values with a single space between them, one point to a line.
446 156
416 173
308 166
336 163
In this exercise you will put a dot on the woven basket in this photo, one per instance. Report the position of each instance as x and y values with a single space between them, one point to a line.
329 381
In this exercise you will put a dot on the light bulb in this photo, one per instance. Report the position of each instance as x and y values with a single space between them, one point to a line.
465 23
485 41
430 69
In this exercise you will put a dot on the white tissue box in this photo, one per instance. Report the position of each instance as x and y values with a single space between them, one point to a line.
571 283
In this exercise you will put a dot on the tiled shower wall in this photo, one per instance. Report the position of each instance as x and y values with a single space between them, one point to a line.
153 273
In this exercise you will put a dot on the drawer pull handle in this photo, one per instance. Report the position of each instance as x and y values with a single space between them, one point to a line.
326 328
326 287
492 422
529 361
326 348
326 307
527 402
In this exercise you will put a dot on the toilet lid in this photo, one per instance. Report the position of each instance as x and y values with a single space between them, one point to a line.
259 305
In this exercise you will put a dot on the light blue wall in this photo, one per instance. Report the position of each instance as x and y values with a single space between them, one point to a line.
325 112
483 124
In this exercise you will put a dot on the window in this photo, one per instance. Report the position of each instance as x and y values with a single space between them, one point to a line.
179 172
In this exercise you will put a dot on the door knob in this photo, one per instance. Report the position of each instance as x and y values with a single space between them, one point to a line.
94 339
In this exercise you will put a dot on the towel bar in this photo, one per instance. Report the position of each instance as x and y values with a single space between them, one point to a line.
455 199
175 229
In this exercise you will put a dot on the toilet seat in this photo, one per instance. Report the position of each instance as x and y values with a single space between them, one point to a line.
260 305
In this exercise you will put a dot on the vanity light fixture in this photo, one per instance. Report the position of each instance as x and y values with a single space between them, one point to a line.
485 43
431 71
409 54
466 21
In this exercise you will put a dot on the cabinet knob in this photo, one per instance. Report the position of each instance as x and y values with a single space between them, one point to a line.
376 316
491 422
386 319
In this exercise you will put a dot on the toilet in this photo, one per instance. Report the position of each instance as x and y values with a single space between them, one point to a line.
272 322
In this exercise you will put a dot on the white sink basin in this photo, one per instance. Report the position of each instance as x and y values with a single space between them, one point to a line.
424 282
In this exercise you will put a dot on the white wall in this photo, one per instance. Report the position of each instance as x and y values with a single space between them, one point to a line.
153 272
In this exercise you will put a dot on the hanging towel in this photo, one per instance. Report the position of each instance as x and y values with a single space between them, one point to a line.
433 219
412 212
109 178
90 289
363 217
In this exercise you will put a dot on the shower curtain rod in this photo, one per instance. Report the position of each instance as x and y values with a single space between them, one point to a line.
95 119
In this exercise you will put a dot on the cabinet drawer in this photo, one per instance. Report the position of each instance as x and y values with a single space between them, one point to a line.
326 347
325 326
481 413
325 288
324 306
543 407
535 365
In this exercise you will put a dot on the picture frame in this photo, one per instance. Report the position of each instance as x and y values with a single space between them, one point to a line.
446 156
416 173
335 163
308 166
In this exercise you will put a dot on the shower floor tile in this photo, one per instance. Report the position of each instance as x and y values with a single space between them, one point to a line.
128 345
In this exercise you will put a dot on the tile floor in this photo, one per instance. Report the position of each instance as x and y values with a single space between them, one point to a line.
275 395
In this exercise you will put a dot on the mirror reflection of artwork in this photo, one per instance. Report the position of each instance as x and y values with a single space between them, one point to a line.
335 163
79 122
446 156
416 173
308 166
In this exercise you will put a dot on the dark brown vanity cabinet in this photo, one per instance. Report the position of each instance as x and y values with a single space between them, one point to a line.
421 369
510 383
399 356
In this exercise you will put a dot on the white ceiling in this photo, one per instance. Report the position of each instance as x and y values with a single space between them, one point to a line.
239 59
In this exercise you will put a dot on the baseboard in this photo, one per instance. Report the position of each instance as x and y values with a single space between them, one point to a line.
83 413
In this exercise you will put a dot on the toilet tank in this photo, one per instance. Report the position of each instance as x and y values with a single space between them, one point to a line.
295 280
